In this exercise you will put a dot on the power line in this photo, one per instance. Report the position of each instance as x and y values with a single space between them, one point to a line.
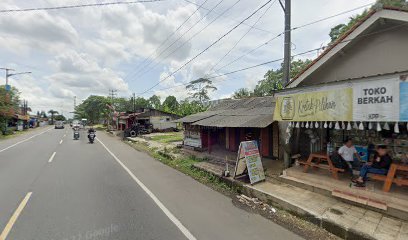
292 29
295 55
257 28
215 42
78 6
163 51
242 37
167 38
332 16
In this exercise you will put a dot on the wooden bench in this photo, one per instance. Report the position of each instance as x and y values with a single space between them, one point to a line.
390 178
321 157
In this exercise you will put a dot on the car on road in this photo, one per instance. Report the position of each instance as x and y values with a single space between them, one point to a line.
59 125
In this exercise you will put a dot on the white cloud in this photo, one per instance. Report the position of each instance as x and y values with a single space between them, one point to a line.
79 52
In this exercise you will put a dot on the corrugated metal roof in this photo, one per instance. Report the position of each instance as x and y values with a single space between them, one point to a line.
249 112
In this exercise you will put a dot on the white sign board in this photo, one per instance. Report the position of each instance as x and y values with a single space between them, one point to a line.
249 152
376 100
192 142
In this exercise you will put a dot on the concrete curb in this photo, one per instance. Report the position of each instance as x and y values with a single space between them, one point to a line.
327 224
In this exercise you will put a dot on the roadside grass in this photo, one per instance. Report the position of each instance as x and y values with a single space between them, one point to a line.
185 164
14 134
99 127
168 138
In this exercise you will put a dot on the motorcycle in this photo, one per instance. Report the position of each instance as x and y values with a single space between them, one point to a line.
76 135
91 137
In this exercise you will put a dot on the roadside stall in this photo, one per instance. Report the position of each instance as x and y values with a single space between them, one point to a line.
371 112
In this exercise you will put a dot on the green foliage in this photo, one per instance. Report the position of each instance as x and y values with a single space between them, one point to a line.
94 108
273 78
9 102
53 113
155 102
43 114
170 104
60 118
168 137
200 88
190 107
338 30
242 93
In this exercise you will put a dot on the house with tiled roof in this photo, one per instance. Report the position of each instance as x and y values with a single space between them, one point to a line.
375 46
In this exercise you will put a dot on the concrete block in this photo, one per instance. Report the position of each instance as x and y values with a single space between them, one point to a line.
353 234
402 236
391 224
384 234
404 227
334 228
356 211
365 227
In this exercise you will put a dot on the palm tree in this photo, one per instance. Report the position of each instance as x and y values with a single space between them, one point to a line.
52 112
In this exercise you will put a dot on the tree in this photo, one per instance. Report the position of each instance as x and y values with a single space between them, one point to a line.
273 78
242 93
94 108
9 105
142 103
43 114
155 102
52 112
60 117
340 29
200 88
187 108
170 104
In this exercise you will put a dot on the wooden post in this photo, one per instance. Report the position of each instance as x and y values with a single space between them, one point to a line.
209 141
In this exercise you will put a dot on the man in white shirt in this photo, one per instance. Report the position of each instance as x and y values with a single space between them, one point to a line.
348 152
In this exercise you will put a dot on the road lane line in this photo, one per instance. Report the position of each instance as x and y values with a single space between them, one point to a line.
25 140
51 158
14 217
166 211
61 141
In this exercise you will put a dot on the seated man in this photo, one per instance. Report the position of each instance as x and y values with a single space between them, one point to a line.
379 165
348 152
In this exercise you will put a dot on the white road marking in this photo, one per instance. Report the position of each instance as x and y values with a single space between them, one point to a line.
25 140
61 141
176 222
51 158
14 217
65 135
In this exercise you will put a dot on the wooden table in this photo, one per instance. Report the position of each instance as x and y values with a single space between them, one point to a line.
321 156
391 176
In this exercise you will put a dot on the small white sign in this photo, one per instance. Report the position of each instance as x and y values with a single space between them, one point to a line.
376 100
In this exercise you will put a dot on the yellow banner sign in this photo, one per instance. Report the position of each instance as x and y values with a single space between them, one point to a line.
331 105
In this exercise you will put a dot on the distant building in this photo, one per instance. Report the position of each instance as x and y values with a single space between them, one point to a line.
231 121
159 120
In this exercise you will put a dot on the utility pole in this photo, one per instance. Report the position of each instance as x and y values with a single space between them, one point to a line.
287 54
112 94
285 147
134 102
8 74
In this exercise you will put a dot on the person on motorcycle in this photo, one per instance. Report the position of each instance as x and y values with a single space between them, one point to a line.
91 130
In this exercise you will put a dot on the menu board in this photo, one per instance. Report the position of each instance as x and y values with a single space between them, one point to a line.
250 159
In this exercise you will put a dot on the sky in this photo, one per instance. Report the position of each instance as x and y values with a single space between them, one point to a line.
136 48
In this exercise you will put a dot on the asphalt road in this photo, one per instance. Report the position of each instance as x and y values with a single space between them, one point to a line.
53 187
